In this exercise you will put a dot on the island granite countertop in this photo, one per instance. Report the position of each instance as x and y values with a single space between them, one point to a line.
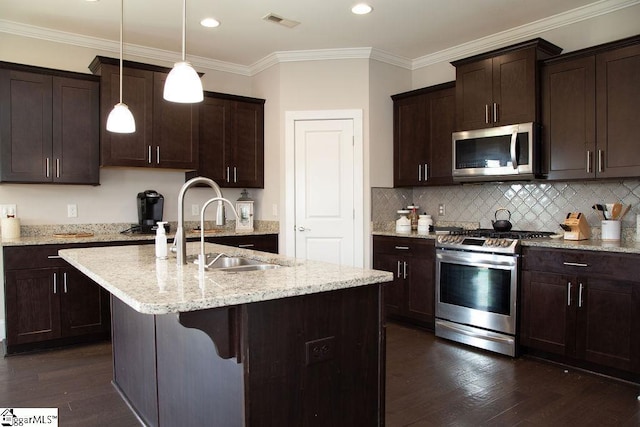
151 286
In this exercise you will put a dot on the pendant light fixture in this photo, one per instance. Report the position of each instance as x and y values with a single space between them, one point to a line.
183 83
120 119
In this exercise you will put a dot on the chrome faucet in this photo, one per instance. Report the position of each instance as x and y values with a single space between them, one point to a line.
179 241
202 258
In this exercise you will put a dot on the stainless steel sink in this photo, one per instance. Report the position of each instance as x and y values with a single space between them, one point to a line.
232 263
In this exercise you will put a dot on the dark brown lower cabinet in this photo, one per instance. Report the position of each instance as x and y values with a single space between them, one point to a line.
48 303
256 242
312 360
583 307
411 295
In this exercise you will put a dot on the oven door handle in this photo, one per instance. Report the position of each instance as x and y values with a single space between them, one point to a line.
487 336
514 142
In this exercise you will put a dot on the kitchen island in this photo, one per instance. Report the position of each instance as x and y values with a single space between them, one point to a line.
302 344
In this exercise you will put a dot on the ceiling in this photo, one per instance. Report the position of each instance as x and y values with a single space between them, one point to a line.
406 29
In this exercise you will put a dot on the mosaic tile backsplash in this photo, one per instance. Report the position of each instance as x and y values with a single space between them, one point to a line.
533 205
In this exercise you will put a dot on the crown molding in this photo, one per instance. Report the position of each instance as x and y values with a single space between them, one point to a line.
523 32
483 44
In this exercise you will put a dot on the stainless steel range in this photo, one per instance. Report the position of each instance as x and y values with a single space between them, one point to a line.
477 287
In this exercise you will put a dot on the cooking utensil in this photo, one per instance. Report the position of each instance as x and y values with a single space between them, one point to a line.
601 209
624 212
502 224
616 210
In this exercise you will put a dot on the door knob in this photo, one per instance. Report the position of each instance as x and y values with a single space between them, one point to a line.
303 229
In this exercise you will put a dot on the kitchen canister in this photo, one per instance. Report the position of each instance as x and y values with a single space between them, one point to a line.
610 229
10 228
424 223
403 223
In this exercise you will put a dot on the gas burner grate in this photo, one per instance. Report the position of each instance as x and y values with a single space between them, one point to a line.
514 234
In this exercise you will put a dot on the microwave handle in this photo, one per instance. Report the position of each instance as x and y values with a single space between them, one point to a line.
514 140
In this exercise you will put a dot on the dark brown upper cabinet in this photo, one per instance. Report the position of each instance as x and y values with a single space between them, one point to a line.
166 133
423 121
500 87
589 109
49 123
231 141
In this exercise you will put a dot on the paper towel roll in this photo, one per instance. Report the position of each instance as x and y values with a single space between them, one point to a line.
10 228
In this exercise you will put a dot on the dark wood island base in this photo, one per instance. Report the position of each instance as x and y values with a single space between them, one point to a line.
311 360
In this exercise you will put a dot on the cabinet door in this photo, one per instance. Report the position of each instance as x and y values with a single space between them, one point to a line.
421 289
175 130
247 168
514 88
84 304
409 140
548 318
618 91
25 126
215 115
33 305
263 243
609 323
474 95
568 118
441 114
76 131
394 291
127 149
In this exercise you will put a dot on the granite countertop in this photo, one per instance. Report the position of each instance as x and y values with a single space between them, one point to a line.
50 239
621 246
150 286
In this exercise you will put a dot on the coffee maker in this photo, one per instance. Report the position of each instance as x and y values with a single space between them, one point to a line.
150 206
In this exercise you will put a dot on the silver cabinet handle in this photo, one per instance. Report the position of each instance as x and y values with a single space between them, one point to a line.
157 154
487 119
149 156
235 174
426 172
64 282
569 294
600 159
402 248
54 256
580 296
228 176
496 119
398 275
48 167
405 269
303 229
57 168
575 264
55 283
419 173
247 245
588 161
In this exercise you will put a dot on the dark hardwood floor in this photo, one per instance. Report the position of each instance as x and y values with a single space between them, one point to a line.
430 382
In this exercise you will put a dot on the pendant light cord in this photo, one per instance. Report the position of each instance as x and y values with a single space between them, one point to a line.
121 44
184 30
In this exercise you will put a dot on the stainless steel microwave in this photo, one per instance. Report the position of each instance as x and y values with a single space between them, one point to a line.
496 154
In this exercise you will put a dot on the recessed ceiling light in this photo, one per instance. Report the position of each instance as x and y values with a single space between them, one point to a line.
210 22
361 9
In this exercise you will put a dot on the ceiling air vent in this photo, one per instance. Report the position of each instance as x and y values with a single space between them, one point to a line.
272 17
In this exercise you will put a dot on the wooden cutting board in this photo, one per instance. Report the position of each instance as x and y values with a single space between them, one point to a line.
73 235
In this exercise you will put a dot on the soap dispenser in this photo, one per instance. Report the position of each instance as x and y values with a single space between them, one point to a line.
161 241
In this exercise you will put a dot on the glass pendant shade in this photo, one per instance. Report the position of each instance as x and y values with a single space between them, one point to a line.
183 84
121 120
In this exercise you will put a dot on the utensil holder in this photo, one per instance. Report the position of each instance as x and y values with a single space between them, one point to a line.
610 229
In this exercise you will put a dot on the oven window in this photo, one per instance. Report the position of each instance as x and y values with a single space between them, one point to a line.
491 152
485 289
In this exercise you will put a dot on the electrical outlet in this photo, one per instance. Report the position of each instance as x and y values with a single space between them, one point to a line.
320 350
7 210
72 211
441 209
195 210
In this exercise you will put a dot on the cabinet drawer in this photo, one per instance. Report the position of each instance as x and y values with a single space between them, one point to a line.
402 245
23 257
618 266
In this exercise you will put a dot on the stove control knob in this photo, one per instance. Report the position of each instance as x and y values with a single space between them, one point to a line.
489 242
505 243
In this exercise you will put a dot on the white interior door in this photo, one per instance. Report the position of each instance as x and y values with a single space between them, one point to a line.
324 191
